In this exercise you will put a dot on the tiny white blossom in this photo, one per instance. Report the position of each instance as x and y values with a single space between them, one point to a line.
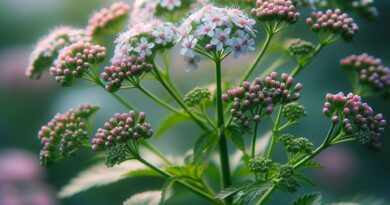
170 4
220 37
216 17
144 48
192 62
247 41
188 46
206 29
236 48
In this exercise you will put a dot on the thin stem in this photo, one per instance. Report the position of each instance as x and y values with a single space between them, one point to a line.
160 102
178 100
224 155
254 141
300 67
156 152
258 57
122 100
275 131
266 196
188 186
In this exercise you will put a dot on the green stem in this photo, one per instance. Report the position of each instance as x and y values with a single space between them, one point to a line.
188 186
258 57
266 196
162 103
178 100
224 155
120 99
300 67
156 152
254 141
275 133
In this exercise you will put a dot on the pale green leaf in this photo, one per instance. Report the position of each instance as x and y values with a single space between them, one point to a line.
167 190
169 122
204 146
144 198
309 199
234 134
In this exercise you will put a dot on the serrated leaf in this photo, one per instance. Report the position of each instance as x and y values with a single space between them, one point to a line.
144 198
234 134
362 199
169 122
305 179
204 146
99 175
194 171
230 191
167 190
309 199
251 193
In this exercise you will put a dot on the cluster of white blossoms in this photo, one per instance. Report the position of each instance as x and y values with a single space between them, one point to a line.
147 9
214 31
144 39
48 47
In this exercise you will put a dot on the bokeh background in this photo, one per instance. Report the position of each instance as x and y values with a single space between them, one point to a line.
25 105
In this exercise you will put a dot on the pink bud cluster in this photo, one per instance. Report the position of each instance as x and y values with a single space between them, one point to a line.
276 10
107 17
333 22
74 60
120 129
64 134
132 69
370 70
357 118
48 47
252 102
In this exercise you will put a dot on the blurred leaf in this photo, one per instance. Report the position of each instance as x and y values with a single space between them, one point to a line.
362 199
235 134
194 171
169 122
167 190
311 164
251 193
230 191
309 199
99 175
144 198
305 179
204 146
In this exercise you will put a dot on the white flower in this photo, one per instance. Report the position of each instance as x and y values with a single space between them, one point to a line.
215 16
163 35
206 29
192 62
144 48
220 37
247 41
170 4
188 46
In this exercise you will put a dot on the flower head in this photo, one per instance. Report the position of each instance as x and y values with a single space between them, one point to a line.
275 14
331 25
260 165
252 102
46 50
293 111
145 10
126 129
108 19
74 60
300 50
216 30
197 96
357 118
369 71
64 134
363 8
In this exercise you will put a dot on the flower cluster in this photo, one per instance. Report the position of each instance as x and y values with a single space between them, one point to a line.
293 111
108 19
76 59
65 134
260 165
145 10
358 119
300 3
121 129
331 25
287 180
369 70
212 30
296 147
197 96
363 8
47 49
275 14
300 50
251 102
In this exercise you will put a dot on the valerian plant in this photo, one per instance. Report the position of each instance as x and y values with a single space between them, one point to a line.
148 30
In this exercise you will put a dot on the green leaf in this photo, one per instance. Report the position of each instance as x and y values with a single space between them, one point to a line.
305 179
167 190
169 122
236 136
251 193
309 199
311 164
99 175
194 171
144 198
362 199
204 146
230 191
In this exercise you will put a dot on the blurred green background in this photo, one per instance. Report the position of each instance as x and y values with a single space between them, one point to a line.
25 105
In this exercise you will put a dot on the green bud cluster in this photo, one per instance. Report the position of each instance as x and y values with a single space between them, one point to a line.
296 145
289 184
117 154
196 96
260 165
293 111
